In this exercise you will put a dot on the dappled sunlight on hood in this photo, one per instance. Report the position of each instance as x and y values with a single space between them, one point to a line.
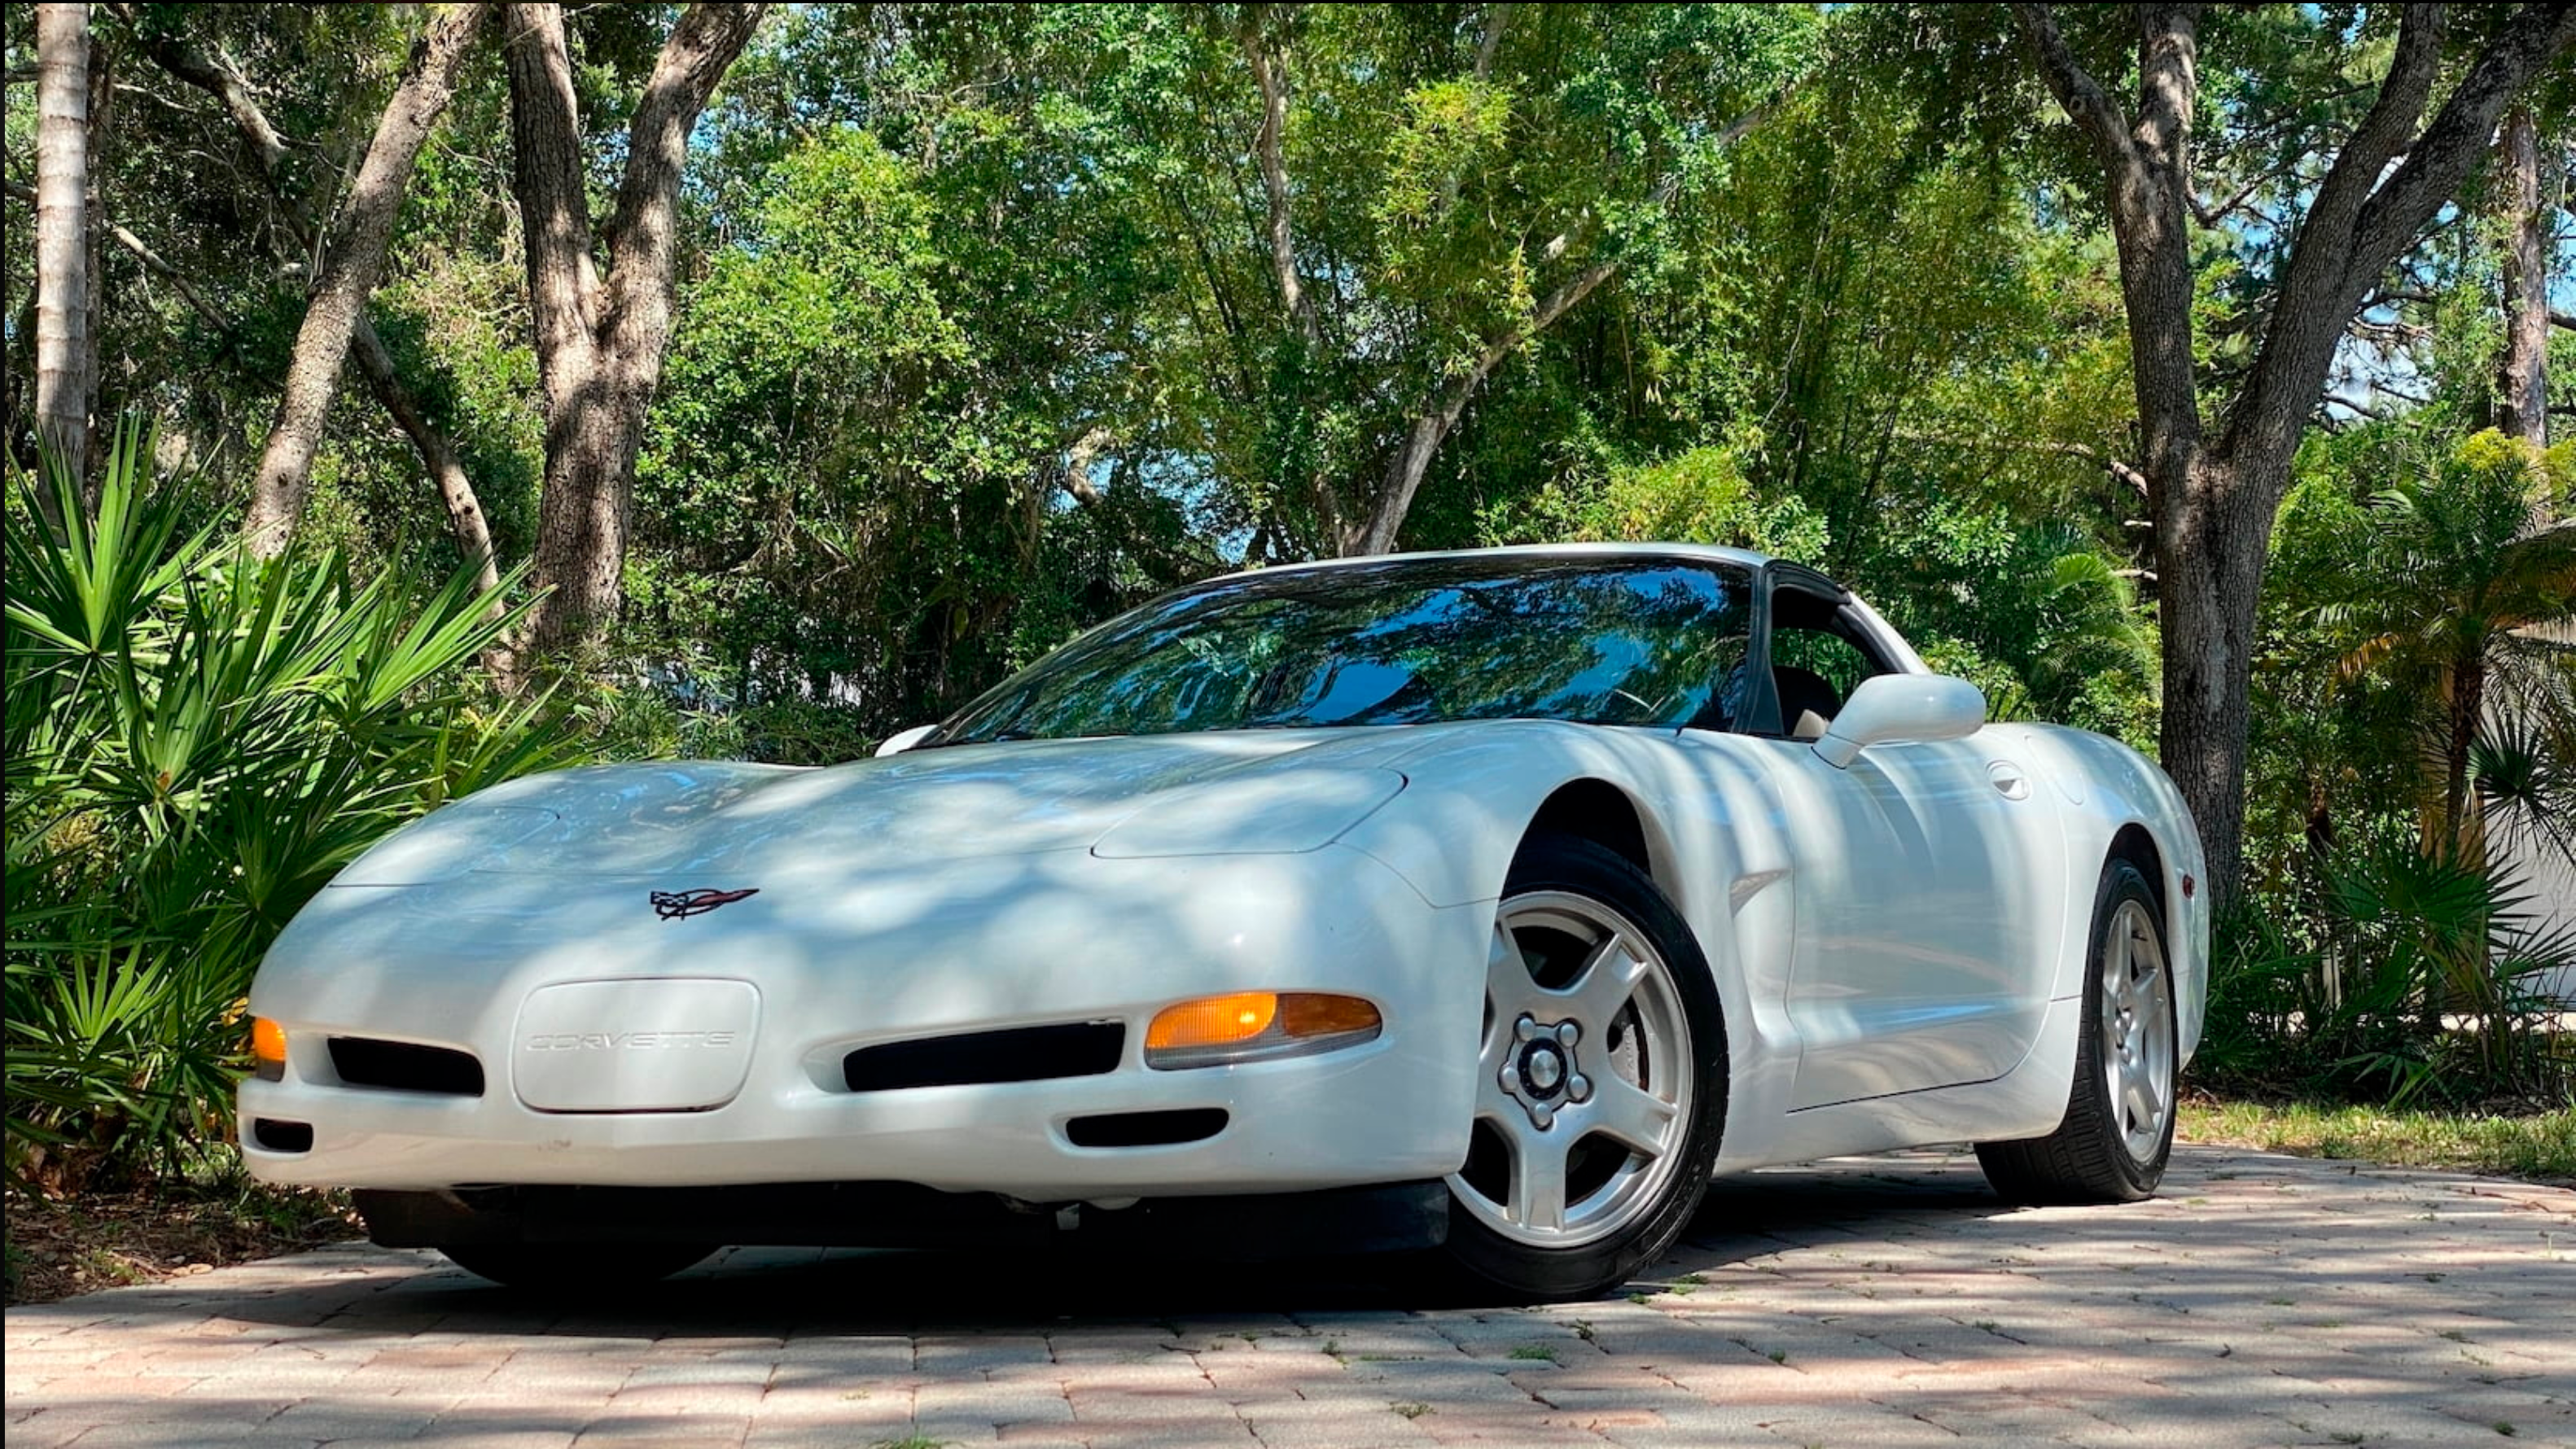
1258 789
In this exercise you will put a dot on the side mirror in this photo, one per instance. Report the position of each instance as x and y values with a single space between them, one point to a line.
1902 708
902 740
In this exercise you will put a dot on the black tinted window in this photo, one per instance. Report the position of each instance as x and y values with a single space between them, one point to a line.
1598 641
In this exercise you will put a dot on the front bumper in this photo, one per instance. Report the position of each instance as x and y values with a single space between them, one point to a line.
1390 1217
456 968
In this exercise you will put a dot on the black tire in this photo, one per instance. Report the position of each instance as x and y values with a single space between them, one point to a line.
1491 1261
2089 1159
564 1267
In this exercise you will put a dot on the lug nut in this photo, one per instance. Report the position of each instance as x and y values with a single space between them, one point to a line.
1567 1033
1578 1088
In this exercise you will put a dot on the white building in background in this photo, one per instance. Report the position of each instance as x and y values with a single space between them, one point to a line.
2548 876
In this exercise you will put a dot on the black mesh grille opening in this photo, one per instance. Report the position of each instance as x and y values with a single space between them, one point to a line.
1146 1129
1023 1054
406 1066
279 1136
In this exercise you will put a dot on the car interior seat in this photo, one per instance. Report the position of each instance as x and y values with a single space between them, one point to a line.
1807 703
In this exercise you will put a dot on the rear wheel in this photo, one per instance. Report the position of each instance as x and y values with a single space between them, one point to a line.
562 1267
1600 1085
2118 1130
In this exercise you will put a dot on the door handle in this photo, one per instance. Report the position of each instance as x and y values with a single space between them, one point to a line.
2009 780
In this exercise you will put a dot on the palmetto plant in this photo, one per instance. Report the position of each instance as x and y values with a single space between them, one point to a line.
2467 581
196 742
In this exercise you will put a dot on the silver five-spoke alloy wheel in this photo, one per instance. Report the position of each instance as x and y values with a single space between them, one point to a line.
1584 1080
2137 1031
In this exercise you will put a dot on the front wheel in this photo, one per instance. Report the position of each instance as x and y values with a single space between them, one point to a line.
2118 1130
565 1267
1600 1084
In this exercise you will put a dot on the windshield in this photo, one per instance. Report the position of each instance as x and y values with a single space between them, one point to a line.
1614 641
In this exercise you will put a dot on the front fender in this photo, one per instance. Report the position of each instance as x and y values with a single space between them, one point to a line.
1715 845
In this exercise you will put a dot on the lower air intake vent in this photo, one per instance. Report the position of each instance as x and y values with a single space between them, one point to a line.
279 1136
1023 1054
406 1066
1146 1129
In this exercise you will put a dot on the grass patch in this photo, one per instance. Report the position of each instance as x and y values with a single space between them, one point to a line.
2538 1147
1535 1353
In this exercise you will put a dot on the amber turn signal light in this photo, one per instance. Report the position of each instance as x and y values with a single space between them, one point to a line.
267 1049
1249 1025
1213 1020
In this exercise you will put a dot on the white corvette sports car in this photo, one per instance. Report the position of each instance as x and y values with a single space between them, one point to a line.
1489 901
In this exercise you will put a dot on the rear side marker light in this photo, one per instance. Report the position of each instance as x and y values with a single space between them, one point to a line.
267 1049
1253 1025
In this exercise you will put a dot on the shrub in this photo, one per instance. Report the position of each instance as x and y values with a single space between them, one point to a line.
197 741
2403 979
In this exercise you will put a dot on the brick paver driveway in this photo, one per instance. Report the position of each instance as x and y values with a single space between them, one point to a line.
2264 1300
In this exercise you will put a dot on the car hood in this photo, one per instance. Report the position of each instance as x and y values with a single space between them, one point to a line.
702 823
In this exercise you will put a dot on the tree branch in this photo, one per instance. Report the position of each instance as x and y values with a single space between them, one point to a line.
2384 129
2441 157
375 363
1492 39
2366 214
2120 472
217 78
2091 107
177 279
702 45
1270 151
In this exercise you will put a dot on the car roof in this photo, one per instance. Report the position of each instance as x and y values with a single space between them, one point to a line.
1743 558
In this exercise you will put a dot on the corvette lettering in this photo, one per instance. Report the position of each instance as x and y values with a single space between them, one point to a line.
641 1041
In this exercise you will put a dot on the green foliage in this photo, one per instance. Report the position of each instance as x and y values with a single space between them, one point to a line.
2414 708
1701 496
2405 977
196 743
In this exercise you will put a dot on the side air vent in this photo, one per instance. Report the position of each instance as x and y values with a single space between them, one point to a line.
1146 1129
1022 1054
406 1066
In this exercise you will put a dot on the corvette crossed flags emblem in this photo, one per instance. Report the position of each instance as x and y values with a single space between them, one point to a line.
673 905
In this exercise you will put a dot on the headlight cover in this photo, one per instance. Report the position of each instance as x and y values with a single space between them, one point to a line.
1267 812
445 843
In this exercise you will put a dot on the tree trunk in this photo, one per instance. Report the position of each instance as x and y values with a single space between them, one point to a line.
94 164
63 386
2210 552
2468 707
2523 386
2215 502
601 339
349 271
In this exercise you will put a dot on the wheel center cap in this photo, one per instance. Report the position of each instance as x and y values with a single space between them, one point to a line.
1544 1075
1543 1068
